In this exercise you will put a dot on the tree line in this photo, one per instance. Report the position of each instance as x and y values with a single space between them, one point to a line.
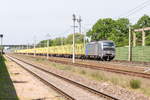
108 29
118 30
79 38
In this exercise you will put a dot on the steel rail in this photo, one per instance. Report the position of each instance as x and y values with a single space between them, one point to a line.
119 71
94 91
68 97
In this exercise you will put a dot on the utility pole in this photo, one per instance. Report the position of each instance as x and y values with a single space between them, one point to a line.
134 39
143 38
84 44
73 55
129 47
61 39
34 46
48 45
1 36
47 48
85 39
27 49
143 33
22 47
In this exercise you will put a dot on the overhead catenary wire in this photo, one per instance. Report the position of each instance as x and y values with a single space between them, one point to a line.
67 31
136 9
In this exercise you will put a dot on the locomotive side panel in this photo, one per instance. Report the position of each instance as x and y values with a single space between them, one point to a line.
92 49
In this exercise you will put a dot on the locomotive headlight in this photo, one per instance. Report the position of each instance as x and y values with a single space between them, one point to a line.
108 52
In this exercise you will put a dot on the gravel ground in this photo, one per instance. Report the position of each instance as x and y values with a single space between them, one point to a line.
116 65
129 66
26 85
108 88
74 91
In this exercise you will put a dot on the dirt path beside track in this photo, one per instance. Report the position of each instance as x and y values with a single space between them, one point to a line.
27 86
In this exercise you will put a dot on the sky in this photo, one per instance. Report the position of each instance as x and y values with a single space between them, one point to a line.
23 21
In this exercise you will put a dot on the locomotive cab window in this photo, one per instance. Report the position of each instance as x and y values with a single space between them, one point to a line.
108 44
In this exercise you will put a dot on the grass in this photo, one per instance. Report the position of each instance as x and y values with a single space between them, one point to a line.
83 72
135 84
97 76
40 59
114 80
128 82
7 90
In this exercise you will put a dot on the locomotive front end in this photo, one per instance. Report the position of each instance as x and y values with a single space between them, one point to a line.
108 48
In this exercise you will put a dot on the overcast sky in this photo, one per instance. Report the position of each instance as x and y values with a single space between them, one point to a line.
22 20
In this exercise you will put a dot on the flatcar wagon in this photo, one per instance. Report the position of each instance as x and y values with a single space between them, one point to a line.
102 50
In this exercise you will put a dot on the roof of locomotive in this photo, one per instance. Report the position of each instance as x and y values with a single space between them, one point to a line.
105 41
100 41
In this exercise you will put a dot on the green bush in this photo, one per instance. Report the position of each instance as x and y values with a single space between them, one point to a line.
83 72
98 76
37 59
135 84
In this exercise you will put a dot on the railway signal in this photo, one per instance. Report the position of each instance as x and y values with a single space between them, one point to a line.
79 21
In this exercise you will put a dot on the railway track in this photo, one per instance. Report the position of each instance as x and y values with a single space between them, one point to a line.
70 89
98 67
132 62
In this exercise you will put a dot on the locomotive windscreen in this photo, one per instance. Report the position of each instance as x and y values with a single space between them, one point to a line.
108 44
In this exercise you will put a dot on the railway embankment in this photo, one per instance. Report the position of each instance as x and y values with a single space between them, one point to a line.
7 89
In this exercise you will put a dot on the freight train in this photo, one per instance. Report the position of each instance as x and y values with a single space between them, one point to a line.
100 50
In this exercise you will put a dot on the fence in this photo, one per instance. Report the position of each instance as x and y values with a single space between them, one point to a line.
139 53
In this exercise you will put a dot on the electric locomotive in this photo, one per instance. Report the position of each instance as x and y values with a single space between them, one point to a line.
103 50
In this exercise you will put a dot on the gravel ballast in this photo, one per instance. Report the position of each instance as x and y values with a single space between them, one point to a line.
105 87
